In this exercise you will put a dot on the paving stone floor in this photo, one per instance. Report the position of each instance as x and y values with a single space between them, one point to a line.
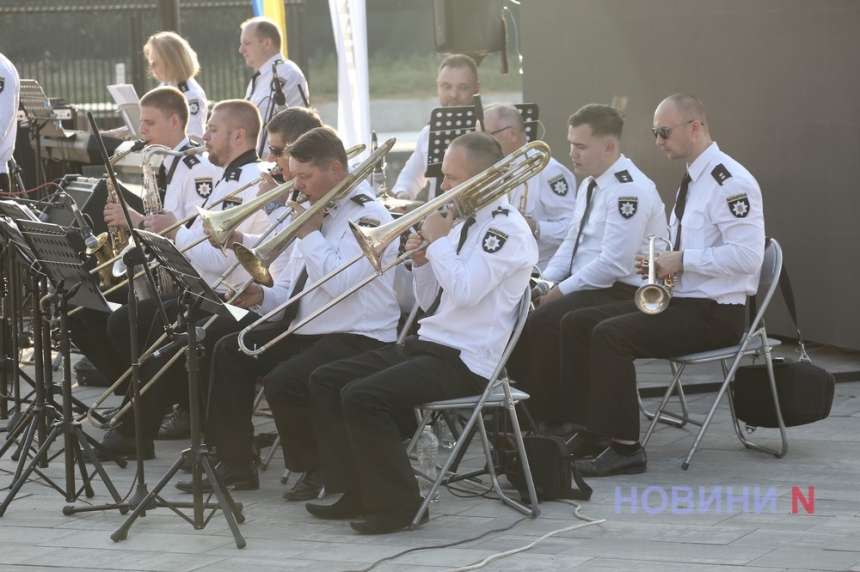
767 536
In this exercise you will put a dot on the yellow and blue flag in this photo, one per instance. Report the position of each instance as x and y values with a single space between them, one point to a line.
273 9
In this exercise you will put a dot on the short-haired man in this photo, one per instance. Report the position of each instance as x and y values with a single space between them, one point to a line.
546 200
9 88
470 280
260 45
456 84
365 320
617 207
717 228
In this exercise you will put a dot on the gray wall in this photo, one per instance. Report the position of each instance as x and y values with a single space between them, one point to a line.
781 81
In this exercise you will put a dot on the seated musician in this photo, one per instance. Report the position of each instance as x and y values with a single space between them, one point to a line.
182 182
617 207
717 229
470 280
230 139
548 199
365 320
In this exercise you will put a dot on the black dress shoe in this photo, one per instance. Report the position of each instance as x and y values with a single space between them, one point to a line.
563 430
120 446
583 445
241 479
610 463
176 425
349 505
307 488
389 521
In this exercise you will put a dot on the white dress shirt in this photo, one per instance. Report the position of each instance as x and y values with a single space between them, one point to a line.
261 91
198 106
411 179
9 87
190 183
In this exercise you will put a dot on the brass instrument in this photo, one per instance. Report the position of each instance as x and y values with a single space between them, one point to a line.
524 199
351 152
468 198
257 260
653 298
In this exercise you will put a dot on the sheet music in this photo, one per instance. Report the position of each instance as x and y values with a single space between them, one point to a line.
128 103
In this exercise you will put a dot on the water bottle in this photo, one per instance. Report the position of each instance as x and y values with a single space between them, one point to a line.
446 437
427 447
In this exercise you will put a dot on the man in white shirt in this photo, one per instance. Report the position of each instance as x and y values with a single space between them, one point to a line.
456 84
717 228
260 45
9 87
469 280
617 207
546 200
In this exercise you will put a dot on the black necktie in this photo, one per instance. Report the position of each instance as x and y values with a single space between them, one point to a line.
464 231
253 83
161 180
680 205
582 221
292 310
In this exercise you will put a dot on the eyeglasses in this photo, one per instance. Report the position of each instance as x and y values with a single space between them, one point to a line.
277 151
500 130
664 132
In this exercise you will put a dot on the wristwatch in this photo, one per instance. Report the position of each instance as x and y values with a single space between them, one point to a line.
271 206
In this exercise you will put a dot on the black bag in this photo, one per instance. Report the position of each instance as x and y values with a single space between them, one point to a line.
552 468
805 390
805 394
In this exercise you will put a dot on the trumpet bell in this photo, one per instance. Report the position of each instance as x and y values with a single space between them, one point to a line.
255 263
652 298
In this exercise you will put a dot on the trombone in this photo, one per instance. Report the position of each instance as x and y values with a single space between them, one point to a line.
468 198
242 213
653 298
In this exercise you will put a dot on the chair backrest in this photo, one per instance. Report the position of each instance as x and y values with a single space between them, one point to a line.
768 282
519 324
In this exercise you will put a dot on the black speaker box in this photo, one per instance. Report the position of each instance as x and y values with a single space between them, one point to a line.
474 27
91 196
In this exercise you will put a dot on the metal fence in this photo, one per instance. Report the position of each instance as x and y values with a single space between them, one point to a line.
76 48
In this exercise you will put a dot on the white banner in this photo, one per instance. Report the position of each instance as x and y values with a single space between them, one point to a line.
348 20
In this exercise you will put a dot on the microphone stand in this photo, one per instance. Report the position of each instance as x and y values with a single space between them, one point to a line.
277 100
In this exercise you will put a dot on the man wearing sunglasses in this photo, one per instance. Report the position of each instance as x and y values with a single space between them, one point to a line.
717 228
617 207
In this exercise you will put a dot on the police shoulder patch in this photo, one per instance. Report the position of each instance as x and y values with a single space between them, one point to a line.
191 160
233 174
628 206
183 86
193 107
367 221
500 211
203 187
361 199
721 174
739 205
624 176
230 203
559 185
2 84
494 240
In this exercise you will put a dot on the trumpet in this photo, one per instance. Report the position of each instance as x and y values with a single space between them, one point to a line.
468 198
653 298
257 260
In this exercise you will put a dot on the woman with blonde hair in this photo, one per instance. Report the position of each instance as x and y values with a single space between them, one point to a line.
173 63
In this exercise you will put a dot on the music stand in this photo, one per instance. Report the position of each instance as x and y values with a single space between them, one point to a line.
196 294
41 115
60 261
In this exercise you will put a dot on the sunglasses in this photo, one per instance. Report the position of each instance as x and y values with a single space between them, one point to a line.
277 151
664 132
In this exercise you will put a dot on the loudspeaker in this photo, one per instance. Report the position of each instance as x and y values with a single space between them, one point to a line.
474 27
91 196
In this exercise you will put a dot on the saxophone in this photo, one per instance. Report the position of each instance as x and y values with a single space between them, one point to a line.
112 242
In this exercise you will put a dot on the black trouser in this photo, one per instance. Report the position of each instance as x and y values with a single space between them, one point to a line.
173 386
598 374
89 332
363 409
289 364
5 183
535 363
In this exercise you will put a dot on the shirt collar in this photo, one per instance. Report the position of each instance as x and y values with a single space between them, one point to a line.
606 178
698 166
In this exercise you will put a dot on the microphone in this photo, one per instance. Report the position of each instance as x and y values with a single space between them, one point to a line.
280 98
91 241
303 96
479 110
177 342
540 288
